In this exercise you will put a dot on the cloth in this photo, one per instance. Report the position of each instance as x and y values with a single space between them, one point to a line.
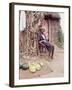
43 36
42 39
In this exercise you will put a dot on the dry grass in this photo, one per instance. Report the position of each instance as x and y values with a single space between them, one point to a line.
51 68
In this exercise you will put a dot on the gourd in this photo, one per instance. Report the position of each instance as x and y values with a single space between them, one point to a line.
32 68
41 63
25 66
38 67
20 65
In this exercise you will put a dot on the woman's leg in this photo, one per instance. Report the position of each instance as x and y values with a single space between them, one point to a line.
50 48
52 51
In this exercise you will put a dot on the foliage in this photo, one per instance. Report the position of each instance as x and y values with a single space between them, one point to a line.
60 38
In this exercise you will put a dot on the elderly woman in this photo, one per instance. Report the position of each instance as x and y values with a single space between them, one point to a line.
43 41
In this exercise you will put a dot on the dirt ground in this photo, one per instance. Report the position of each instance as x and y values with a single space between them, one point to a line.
51 68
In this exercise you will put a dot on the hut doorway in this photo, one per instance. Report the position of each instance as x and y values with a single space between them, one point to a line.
53 22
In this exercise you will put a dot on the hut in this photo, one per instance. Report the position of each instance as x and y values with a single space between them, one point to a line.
50 21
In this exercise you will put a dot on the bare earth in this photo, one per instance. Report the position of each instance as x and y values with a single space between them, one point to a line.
51 68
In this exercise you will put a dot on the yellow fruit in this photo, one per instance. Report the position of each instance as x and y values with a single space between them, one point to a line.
35 66
41 63
38 67
32 68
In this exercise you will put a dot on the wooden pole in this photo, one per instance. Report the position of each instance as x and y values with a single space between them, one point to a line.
51 31
48 28
27 27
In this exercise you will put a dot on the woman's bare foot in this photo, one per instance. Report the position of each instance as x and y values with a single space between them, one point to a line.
51 57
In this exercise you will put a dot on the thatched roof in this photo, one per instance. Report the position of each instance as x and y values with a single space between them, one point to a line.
52 15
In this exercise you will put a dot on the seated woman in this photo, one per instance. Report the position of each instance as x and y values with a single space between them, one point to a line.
42 40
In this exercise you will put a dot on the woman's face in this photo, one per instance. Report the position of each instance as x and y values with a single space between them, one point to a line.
42 30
